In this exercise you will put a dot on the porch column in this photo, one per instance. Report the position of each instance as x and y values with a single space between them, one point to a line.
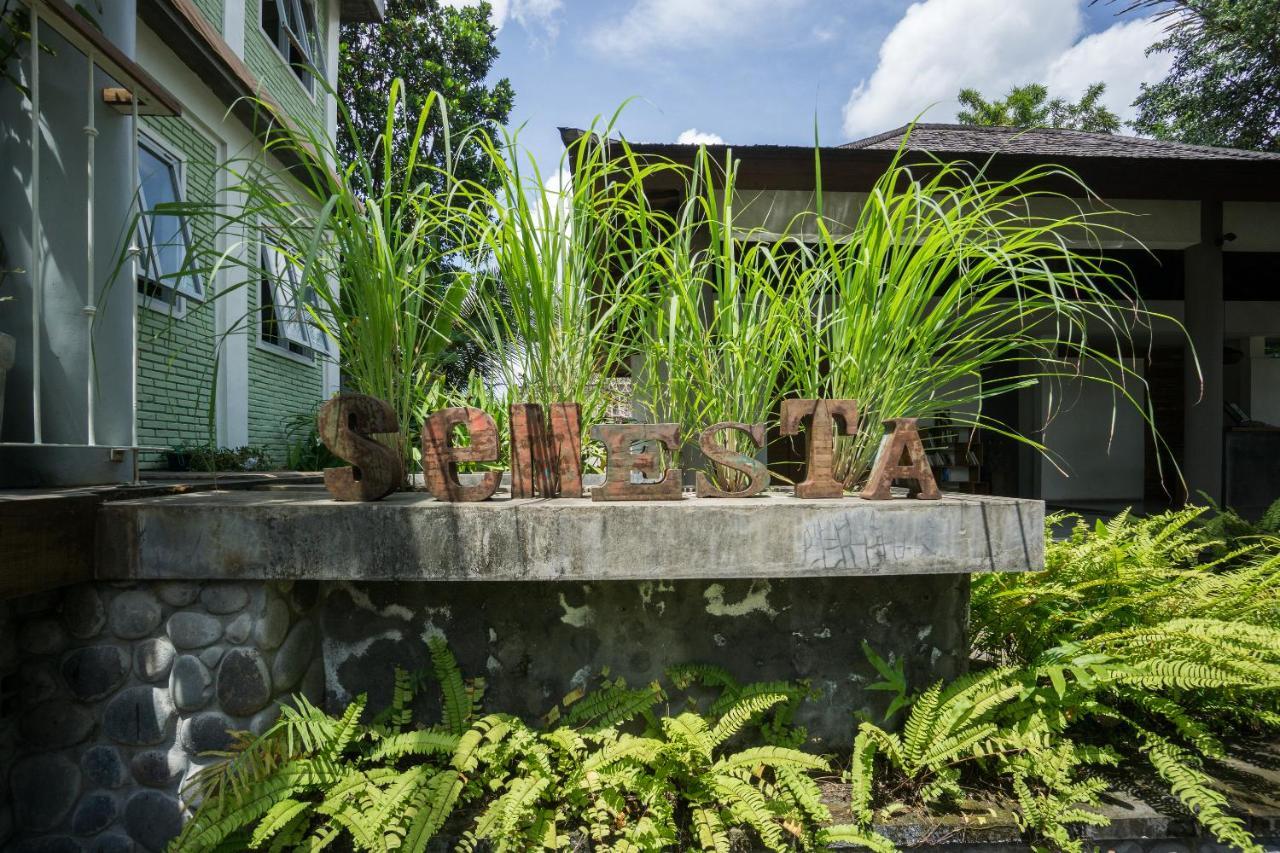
1205 317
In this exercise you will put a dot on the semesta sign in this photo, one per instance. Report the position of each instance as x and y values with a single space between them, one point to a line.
546 453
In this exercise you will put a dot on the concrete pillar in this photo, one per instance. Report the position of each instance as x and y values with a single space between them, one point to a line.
1205 312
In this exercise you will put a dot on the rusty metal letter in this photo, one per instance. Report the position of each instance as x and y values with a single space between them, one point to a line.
546 452
826 417
440 457
755 470
901 439
345 424
621 461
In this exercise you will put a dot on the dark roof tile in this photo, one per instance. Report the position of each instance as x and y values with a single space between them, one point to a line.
1045 142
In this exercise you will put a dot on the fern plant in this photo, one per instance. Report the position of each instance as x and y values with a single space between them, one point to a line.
1180 633
311 778
607 766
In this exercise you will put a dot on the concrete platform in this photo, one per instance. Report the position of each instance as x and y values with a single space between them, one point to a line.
299 533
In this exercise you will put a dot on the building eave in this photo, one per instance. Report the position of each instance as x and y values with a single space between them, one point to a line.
791 167
363 11
183 27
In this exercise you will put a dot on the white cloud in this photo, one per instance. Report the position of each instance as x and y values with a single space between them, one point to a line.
942 46
693 136
650 26
1116 56
530 14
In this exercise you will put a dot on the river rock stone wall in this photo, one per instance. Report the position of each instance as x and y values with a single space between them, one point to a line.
534 642
112 692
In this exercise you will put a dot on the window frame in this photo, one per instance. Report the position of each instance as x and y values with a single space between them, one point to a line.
165 295
307 44
310 343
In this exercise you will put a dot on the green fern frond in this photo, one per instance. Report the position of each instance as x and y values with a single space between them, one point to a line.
457 704
425 742
770 756
740 714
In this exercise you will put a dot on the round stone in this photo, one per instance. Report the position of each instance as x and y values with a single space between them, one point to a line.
158 768
134 614
239 628
207 731
153 819
294 656
42 637
138 716
103 766
153 658
190 630
244 684
56 724
274 624
190 683
224 597
313 682
210 656
93 672
83 614
112 843
44 788
39 680
95 813
264 719
177 593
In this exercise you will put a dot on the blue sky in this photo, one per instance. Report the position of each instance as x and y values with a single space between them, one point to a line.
762 71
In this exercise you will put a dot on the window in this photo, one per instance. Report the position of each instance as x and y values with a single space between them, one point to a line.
285 323
164 240
291 26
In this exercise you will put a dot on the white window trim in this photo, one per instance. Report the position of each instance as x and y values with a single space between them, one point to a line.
175 311
314 356
311 91
178 309
313 360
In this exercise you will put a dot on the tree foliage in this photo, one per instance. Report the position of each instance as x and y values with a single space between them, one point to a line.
1224 86
432 48
1030 106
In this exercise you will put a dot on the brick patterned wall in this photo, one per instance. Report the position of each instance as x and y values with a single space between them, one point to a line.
271 68
176 354
213 11
279 387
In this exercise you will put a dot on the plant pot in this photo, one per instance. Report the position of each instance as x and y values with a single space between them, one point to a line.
8 346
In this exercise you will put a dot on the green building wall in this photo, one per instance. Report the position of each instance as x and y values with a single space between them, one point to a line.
213 11
269 66
176 357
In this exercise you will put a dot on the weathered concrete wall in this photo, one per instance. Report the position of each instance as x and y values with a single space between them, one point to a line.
534 642
112 691
302 533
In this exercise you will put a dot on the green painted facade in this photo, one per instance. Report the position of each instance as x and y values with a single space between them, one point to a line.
281 82
213 10
177 357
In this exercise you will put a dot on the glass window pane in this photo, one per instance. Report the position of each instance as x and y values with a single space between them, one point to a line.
164 238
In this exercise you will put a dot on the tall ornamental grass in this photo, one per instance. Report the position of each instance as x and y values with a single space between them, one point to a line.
948 277
365 271
951 276
555 264
719 310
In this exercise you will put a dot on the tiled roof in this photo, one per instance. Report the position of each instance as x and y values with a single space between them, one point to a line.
1046 142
